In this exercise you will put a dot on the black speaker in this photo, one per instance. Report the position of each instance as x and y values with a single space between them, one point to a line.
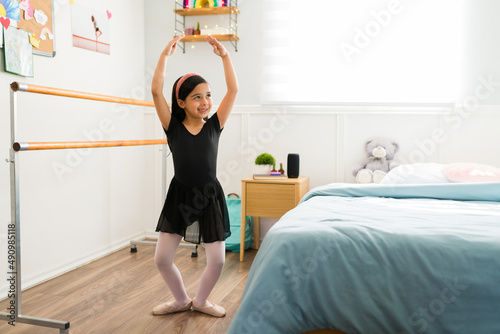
293 165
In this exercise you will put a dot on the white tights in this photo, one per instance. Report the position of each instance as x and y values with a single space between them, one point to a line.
164 259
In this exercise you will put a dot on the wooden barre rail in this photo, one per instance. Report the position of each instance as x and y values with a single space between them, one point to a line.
22 87
83 144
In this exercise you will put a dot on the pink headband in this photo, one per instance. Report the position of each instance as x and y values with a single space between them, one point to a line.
181 81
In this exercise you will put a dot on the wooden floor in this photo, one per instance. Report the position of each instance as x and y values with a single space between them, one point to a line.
116 294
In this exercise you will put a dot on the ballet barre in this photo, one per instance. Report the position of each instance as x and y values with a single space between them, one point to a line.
14 250
84 144
21 87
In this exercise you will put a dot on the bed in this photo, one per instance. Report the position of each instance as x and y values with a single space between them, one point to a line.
385 258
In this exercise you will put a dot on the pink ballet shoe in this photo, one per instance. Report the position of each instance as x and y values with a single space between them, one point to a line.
171 308
213 310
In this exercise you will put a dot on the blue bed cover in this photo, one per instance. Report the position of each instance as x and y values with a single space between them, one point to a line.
379 259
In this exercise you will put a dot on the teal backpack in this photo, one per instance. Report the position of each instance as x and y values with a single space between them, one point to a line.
234 208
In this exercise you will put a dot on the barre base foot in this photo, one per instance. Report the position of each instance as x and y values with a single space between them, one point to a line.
63 326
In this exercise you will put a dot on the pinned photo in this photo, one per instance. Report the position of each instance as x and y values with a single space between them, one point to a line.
90 28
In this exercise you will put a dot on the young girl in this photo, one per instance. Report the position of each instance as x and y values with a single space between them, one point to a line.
195 207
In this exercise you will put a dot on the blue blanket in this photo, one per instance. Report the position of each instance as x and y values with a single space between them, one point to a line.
379 259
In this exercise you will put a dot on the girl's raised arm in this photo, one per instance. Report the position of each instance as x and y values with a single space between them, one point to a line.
227 102
161 104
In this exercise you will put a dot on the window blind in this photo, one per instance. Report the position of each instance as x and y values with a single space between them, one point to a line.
363 51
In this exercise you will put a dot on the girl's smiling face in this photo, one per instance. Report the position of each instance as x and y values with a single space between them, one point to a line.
198 103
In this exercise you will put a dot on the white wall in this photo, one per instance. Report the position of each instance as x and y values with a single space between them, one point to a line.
330 139
102 197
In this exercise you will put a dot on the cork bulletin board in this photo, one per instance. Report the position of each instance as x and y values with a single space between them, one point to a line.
42 29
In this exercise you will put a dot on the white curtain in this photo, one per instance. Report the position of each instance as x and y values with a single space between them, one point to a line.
360 51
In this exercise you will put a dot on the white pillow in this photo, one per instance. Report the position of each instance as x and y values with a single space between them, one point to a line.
416 173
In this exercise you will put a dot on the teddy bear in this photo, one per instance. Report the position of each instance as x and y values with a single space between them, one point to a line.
380 153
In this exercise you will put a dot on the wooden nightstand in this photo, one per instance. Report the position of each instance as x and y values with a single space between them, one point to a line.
268 198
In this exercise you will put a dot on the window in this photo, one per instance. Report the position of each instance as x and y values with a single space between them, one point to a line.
363 51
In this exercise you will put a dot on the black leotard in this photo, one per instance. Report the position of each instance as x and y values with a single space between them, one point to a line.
195 206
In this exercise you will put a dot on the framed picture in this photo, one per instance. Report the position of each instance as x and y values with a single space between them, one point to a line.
37 19
33 16
90 28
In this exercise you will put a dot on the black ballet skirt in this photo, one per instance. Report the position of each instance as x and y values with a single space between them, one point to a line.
195 207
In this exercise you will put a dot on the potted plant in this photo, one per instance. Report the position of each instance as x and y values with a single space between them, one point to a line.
197 31
265 161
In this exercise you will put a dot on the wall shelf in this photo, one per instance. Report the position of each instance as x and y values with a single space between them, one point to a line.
231 11
207 11
202 38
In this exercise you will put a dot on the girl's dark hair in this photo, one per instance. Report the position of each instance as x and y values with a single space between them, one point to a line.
187 87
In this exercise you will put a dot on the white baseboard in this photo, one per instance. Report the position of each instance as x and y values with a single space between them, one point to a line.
151 235
46 275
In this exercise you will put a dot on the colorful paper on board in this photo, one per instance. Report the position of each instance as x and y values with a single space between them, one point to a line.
34 41
27 7
5 21
10 9
40 17
46 33
18 52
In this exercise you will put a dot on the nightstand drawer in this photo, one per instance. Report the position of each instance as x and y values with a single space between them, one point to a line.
269 200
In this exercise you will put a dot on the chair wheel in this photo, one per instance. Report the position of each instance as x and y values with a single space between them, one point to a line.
133 249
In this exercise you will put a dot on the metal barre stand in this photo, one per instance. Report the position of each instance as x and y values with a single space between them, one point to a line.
134 243
14 267
133 248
